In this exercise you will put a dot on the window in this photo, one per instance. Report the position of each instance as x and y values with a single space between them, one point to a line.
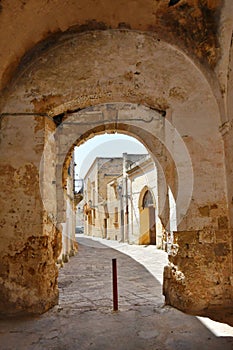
147 200
116 216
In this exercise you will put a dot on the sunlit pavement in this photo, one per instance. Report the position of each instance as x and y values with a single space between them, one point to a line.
84 318
147 255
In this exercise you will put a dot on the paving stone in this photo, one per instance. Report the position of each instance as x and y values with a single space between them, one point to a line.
84 318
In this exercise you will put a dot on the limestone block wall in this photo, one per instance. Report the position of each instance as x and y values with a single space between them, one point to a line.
228 142
29 239
199 271
227 133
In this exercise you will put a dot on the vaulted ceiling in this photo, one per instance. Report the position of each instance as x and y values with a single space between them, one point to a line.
201 28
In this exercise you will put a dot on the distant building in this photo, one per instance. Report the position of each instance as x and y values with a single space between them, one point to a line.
96 212
121 200
80 217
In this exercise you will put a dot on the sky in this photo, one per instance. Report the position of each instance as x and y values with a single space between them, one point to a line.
107 145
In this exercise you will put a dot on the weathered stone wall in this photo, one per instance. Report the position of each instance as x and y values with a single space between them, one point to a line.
150 86
193 24
29 239
199 271
227 134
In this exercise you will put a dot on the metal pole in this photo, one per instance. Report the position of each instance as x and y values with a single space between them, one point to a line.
126 211
114 284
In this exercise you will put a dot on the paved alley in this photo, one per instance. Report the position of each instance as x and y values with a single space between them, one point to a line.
84 318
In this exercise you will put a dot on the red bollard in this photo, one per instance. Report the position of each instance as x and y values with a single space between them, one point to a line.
114 284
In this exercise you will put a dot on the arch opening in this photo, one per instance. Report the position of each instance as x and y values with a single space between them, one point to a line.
149 221
185 143
126 129
112 188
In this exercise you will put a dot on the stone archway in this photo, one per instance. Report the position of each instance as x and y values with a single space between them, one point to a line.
147 217
166 102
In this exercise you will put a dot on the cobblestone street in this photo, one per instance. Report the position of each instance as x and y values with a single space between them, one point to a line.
84 318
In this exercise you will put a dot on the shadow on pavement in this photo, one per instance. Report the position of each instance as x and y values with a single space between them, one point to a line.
84 318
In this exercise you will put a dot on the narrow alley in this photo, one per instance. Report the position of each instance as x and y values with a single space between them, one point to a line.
84 318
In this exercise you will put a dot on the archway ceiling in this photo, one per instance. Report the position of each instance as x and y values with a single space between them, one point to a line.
199 27
103 66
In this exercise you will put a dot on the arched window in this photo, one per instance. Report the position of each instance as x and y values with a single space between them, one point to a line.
147 200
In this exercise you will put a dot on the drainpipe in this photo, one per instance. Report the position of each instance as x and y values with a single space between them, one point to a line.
126 211
120 194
